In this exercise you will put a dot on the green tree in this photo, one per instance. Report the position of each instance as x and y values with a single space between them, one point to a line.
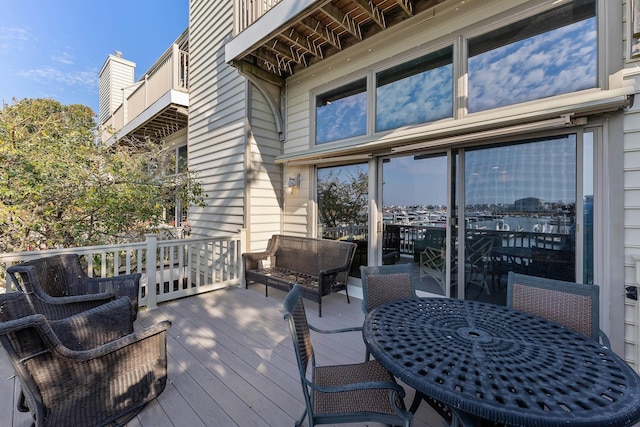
61 187
342 196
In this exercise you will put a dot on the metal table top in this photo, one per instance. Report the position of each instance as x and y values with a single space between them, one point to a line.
503 365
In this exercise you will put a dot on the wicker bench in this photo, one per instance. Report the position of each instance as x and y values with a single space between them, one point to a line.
319 266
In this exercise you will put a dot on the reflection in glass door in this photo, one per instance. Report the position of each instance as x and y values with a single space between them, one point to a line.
519 215
342 194
414 211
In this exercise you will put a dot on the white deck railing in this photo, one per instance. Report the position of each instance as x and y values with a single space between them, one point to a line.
249 11
170 269
169 73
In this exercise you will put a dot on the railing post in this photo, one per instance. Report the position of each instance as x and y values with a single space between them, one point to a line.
146 91
175 67
243 249
125 106
151 269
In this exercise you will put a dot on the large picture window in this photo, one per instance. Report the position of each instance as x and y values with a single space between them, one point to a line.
342 113
551 53
418 91
548 54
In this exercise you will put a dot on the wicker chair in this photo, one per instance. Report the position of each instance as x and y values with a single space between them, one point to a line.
62 307
384 283
574 305
341 393
90 369
381 284
62 276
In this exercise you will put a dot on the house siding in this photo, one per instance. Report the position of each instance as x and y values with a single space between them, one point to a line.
264 177
632 233
217 116
116 74
233 139
631 201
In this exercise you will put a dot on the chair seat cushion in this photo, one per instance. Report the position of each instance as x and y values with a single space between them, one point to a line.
363 400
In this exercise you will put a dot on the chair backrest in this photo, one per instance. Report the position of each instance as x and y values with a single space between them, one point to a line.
384 283
434 237
479 247
58 275
573 305
296 317
391 238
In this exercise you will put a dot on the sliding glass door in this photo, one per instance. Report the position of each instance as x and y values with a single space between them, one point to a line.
520 213
527 207
415 209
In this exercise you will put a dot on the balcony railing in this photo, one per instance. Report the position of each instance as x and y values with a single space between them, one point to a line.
170 269
249 11
169 73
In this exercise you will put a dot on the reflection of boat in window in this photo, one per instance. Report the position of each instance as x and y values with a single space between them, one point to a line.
545 227
501 225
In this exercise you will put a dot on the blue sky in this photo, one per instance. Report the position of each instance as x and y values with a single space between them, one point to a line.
55 49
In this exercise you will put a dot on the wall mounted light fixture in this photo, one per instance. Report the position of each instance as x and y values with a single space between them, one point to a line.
292 182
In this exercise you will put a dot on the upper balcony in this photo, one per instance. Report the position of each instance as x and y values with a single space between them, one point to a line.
157 105
276 38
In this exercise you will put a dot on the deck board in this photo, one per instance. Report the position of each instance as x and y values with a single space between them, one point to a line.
231 361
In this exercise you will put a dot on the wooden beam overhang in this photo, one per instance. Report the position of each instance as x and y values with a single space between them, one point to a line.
374 13
166 122
324 29
343 20
321 32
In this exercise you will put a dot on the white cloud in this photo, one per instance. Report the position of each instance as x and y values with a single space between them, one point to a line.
64 58
560 61
416 99
86 78
13 37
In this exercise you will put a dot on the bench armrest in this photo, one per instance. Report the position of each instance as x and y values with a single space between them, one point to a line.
251 260
335 270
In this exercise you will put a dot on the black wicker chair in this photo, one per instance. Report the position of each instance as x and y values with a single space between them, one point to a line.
384 283
62 276
91 369
62 307
574 305
341 393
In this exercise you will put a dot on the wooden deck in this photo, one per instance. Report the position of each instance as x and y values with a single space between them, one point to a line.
231 361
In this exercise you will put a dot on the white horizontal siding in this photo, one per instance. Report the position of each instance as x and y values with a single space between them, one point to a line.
632 221
216 120
121 77
265 177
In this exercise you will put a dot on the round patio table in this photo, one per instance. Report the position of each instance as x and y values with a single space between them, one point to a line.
499 364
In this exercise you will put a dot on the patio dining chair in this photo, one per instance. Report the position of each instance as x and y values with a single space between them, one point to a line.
573 305
338 394
432 264
384 283
62 276
91 369
381 284
478 260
